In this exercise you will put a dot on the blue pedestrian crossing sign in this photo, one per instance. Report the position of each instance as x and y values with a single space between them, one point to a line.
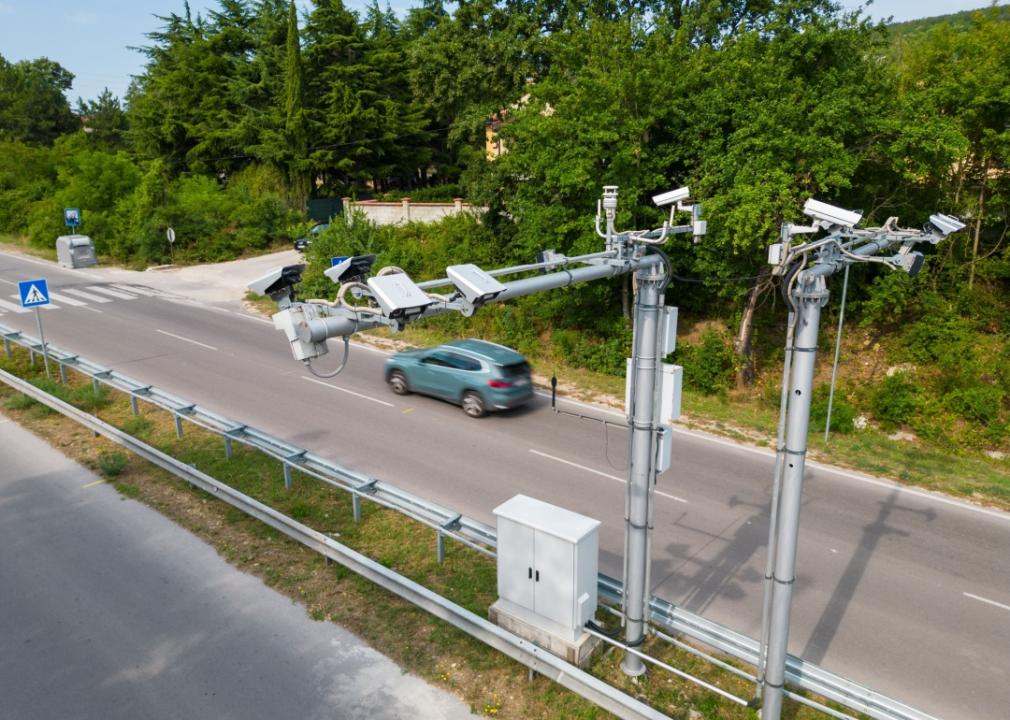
33 292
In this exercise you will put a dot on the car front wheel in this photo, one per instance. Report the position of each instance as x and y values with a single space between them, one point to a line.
398 383
473 404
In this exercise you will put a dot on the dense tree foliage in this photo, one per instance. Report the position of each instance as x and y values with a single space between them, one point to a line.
242 114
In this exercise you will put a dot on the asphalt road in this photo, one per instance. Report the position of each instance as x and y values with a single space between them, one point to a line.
904 591
108 610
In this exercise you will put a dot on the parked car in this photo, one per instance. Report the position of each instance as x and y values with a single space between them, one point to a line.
302 243
477 375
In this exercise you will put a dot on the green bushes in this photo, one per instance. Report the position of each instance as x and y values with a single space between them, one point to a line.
843 414
895 401
708 365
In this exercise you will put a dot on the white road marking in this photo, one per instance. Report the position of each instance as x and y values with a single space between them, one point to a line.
186 339
986 600
65 299
85 295
135 289
4 305
349 392
112 293
48 306
93 483
601 474
9 282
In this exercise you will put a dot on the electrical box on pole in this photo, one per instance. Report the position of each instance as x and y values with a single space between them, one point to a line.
547 573
669 389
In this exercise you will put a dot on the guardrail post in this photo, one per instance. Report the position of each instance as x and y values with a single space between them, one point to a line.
227 447
95 388
440 546
133 404
31 356
287 476
7 347
178 426
356 505
63 373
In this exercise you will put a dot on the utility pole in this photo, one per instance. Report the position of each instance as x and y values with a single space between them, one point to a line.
804 269
642 470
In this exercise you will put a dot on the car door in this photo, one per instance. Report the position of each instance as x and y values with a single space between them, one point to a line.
429 376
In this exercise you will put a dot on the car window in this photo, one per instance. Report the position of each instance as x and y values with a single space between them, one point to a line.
462 362
519 369
437 358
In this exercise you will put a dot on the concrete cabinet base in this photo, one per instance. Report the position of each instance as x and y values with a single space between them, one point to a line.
577 652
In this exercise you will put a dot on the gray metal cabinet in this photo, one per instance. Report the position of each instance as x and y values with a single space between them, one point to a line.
547 564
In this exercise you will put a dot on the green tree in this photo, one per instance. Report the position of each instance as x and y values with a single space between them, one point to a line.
104 120
33 107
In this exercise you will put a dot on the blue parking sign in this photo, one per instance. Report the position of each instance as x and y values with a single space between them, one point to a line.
33 292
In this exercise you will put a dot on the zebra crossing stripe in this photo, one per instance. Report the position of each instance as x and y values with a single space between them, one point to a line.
138 289
4 305
50 306
65 299
85 295
112 293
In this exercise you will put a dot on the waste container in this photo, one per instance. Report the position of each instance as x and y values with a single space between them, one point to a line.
75 251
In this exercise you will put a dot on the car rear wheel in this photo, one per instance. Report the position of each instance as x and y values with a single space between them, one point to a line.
398 383
473 404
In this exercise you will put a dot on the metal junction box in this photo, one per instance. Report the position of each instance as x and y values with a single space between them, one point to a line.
547 571
75 251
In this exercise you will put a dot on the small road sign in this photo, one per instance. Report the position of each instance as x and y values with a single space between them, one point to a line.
334 261
33 292
72 217
170 234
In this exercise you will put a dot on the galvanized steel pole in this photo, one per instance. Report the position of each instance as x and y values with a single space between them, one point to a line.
810 296
641 473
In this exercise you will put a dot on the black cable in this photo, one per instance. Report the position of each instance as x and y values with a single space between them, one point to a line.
591 624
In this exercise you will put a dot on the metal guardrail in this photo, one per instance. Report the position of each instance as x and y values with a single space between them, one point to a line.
519 649
470 532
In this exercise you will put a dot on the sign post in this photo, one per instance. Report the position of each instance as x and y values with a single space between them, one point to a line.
170 234
35 293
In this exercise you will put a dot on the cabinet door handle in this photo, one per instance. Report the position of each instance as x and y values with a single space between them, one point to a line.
538 576
530 576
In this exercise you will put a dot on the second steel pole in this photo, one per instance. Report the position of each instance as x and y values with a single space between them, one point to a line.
810 295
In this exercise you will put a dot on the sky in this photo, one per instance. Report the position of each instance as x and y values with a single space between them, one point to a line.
91 39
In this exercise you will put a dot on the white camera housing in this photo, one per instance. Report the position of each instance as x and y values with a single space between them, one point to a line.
279 283
946 224
671 196
350 268
398 295
476 285
830 214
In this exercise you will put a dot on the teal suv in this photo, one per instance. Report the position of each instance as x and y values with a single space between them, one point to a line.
477 375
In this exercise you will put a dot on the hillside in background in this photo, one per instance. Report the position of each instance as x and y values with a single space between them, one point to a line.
960 20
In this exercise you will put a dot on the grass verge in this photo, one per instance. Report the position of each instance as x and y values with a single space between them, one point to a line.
492 684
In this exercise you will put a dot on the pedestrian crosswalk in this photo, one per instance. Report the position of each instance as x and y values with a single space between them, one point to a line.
73 297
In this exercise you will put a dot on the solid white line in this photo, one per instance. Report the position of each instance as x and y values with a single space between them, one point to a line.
186 339
986 600
601 474
9 282
112 293
91 309
888 484
85 295
349 392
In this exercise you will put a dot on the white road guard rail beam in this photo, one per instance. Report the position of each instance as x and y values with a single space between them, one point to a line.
470 532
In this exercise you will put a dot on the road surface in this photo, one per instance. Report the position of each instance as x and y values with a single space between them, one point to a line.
108 610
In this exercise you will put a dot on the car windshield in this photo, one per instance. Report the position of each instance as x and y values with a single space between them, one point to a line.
519 369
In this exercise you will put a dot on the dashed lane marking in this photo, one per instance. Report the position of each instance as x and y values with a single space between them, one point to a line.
186 339
85 295
349 392
602 474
